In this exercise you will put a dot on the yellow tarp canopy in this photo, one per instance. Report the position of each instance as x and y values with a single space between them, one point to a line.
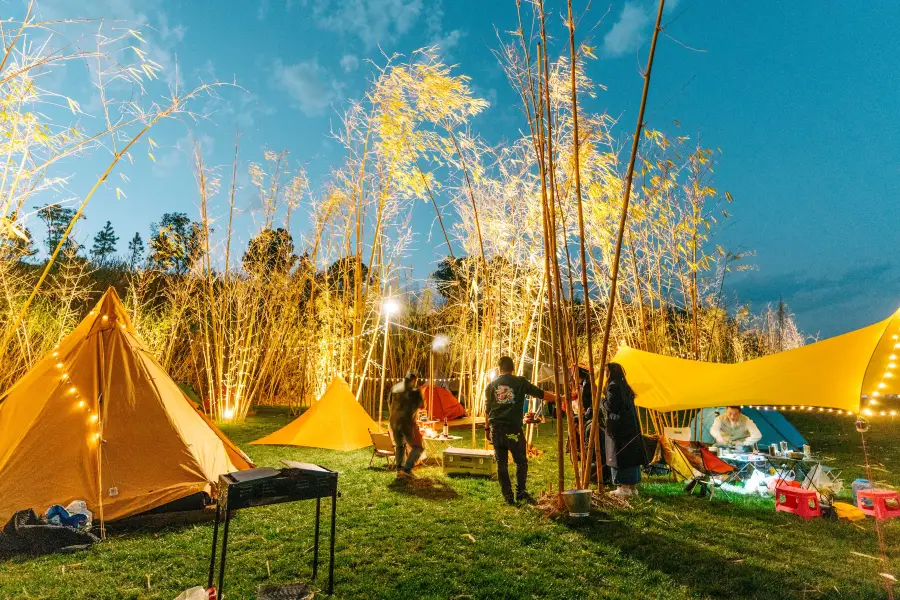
336 421
833 373
99 420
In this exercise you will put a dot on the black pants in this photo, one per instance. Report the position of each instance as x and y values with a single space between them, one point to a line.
507 440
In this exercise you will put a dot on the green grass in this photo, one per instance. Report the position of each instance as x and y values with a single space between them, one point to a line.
397 542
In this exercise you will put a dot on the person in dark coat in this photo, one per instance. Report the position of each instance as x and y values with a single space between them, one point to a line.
406 400
625 450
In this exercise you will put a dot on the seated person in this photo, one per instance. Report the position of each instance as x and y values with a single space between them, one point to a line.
734 429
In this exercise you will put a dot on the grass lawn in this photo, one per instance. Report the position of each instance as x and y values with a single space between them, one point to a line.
455 538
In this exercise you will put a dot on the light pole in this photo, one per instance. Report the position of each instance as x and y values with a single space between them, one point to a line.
389 307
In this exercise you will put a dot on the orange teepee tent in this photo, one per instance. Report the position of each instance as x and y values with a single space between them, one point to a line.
99 420
443 405
336 421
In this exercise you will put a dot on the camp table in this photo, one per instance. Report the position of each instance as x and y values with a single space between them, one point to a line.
802 465
742 461
434 446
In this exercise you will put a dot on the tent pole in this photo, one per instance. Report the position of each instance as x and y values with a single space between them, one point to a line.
387 322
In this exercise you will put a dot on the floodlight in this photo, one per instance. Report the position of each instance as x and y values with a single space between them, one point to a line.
391 306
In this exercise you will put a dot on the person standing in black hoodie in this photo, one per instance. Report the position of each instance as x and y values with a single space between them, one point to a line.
505 406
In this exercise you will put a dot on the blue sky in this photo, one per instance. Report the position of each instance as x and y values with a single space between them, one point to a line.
801 99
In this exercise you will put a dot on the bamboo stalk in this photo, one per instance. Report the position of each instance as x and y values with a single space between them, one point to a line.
623 217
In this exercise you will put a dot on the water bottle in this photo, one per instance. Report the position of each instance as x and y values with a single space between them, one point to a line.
860 484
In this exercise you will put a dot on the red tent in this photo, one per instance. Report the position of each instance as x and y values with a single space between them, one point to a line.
444 406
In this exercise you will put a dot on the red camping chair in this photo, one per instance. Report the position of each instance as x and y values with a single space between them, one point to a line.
710 471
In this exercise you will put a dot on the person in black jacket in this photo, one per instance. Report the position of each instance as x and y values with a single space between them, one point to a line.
625 450
505 405
406 400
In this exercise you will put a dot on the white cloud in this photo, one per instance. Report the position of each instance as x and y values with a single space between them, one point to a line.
629 32
309 86
446 41
349 62
374 22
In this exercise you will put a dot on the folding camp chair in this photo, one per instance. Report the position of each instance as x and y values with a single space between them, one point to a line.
383 446
710 471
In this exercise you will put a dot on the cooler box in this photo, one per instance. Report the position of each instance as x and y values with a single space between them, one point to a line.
465 461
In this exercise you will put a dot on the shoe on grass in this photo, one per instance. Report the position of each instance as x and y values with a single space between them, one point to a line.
509 500
624 492
525 497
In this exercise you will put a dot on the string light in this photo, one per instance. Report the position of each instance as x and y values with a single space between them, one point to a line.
82 404
55 354
105 317
59 365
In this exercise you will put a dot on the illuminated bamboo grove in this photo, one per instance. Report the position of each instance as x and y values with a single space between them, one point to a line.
530 228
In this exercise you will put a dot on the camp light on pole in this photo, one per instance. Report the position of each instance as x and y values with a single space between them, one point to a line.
391 306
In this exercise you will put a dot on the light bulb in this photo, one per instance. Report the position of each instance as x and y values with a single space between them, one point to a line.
81 404
892 365
105 317
65 376
93 418
228 413
72 390
876 393
873 402
883 414
59 365
55 354
882 385
867 412
893 413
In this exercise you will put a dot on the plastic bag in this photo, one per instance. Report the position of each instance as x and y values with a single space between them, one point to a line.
79 507
195 593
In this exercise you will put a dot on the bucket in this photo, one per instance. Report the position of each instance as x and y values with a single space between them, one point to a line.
578 502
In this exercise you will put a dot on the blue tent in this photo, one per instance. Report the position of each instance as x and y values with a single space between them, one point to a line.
773 426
